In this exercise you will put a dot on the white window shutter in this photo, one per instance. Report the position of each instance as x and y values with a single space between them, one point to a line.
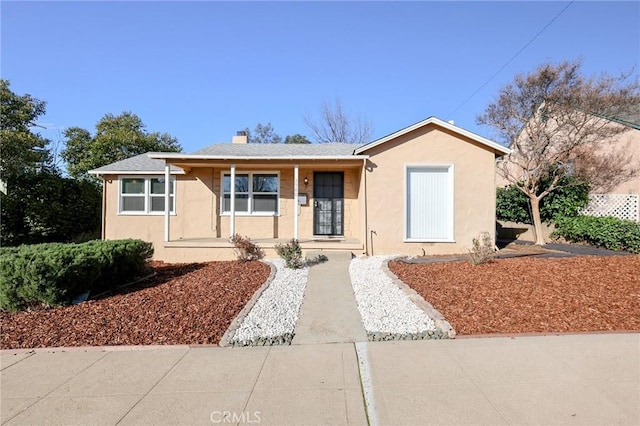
429 203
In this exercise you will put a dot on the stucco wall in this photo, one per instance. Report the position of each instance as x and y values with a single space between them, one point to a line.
193 189
474 190
627 144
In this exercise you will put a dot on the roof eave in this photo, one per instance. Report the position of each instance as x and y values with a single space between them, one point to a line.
134 172
255 157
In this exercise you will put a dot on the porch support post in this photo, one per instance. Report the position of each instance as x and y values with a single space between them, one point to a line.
296 205
167 198
232 217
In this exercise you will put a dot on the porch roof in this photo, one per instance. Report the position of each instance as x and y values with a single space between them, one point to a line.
140 164
265 152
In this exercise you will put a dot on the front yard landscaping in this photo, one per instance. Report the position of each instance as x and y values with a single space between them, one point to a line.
526 295
181 304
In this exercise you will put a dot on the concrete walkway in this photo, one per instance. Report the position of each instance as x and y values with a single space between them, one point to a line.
329 313
587 379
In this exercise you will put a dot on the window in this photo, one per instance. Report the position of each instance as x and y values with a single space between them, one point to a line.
145 195
255 193
429 203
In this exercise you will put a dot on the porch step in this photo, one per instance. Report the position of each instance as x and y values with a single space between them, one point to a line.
337 255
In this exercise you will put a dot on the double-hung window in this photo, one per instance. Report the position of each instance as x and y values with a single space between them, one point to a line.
255 193
145 195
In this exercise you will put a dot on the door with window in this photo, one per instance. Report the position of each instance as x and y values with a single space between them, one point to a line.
328 203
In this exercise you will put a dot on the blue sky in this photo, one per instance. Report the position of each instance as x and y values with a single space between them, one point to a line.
203 70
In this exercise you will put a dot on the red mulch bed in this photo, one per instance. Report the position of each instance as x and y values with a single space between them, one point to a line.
181 304
529 295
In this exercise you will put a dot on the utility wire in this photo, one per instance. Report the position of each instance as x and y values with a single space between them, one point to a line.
512 58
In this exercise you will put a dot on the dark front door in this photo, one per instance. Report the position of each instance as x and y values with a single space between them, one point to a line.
328 202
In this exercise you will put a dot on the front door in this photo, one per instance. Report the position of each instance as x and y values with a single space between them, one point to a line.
328 201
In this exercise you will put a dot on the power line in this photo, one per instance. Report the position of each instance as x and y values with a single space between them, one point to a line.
512 58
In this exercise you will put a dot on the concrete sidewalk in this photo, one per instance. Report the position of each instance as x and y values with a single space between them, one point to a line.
267 385
569 379
329 313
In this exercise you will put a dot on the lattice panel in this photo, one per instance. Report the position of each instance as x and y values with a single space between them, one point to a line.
622 206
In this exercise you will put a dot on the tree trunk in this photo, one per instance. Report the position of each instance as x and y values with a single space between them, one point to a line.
537 222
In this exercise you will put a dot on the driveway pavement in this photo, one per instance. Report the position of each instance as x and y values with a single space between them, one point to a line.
569 379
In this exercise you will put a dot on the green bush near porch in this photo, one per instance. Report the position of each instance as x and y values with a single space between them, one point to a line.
54 274
291 252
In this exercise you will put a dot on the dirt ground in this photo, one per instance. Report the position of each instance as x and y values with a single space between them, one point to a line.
528 294
182 304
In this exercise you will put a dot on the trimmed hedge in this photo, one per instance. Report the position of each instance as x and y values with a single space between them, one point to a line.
608 232
55 273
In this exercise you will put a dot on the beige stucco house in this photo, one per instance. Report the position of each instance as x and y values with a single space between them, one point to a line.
615 194
429 188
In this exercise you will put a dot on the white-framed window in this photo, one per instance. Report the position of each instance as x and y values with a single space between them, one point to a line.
145 195
256 193
429 203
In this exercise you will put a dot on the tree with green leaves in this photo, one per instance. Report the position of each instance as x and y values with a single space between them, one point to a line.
554 119
39 204
116 138
22 149
297 138
263 133
45 207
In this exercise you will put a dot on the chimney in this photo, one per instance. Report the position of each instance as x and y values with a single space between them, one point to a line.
241 137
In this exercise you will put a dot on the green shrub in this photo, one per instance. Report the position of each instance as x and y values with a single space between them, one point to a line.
483 249
55 273
608 232
291 252
245 249
513 205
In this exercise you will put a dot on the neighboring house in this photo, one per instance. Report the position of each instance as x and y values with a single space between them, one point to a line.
629 144
429 188
612 197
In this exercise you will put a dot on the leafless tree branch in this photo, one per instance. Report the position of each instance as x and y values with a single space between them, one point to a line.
555 119
335 125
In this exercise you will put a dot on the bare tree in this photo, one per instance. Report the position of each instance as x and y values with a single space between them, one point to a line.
606 167
335 125
555 120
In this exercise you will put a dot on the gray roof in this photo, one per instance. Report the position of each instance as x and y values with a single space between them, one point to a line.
631 119
139 163
277 150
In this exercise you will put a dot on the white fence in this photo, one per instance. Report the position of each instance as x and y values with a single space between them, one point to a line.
622 206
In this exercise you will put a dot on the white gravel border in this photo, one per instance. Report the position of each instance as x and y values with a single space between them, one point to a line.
385 309
273 318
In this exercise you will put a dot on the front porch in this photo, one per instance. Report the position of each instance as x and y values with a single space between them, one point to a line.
307 244
318 203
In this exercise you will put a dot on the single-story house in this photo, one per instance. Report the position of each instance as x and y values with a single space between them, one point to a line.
427 188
